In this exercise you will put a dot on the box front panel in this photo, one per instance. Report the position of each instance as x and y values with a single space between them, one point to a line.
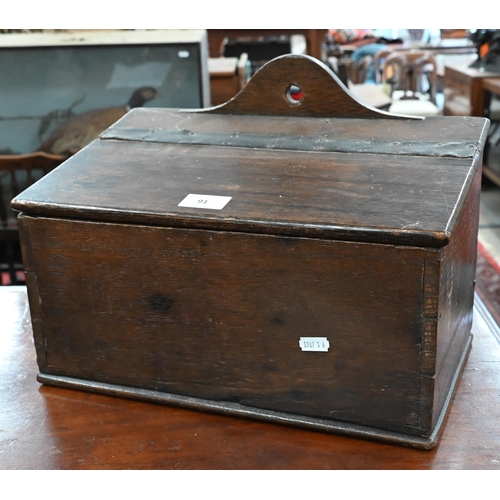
220 316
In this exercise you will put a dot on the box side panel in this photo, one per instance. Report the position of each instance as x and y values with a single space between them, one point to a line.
456 295
219 316
32 288
430 315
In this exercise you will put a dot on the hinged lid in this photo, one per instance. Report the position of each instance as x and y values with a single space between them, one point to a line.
311 163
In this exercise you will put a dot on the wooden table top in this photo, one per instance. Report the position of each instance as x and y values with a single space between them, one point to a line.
492 85
466 70
51 428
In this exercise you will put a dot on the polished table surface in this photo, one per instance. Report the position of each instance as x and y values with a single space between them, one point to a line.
45 427
492 85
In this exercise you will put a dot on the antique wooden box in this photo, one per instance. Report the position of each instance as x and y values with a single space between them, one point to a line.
291 255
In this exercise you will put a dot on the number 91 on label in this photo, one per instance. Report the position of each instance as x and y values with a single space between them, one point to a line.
318 344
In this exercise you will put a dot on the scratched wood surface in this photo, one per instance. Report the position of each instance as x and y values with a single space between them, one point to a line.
52 428
283 163
356 196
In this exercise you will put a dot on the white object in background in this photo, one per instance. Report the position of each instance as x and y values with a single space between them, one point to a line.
431 36
298 44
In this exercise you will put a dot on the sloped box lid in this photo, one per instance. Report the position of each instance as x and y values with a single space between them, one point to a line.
323 166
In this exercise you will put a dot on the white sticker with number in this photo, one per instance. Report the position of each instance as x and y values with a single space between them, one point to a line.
205 201
319 344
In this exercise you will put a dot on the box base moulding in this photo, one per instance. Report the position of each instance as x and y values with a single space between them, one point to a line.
238 410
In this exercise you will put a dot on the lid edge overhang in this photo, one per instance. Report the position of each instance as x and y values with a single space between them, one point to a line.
356 234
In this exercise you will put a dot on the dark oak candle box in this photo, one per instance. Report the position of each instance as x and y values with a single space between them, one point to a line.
297 258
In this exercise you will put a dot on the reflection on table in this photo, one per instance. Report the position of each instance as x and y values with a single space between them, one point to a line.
52 428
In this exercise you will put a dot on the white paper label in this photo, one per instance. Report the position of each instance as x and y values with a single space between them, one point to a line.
205 201
319 344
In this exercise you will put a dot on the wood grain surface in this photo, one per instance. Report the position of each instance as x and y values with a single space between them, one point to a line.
323 94
54 428
176 312
391 198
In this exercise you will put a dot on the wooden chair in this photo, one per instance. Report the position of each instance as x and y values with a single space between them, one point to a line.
378 60
17 172
359 70
413 77
356 71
